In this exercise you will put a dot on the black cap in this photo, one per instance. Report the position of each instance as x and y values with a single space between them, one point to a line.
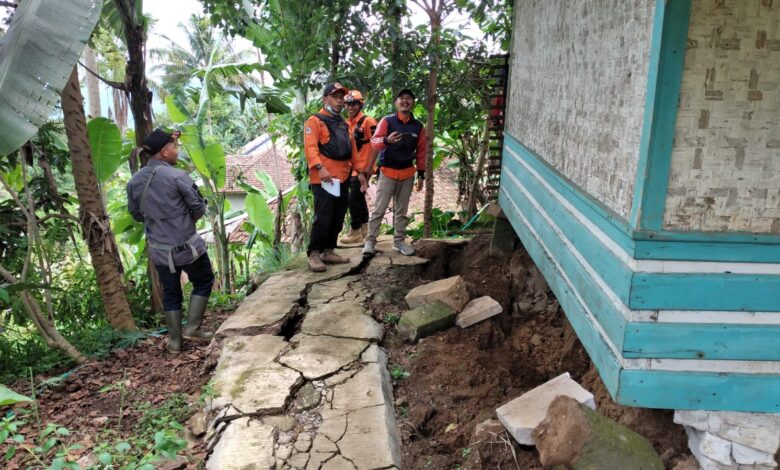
156 140
405 91
333 88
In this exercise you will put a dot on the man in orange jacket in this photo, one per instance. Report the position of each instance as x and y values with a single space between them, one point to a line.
362 127
330 155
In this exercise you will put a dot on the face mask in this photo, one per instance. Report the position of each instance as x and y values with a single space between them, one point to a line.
330 109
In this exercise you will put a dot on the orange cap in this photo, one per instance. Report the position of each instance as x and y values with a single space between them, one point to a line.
353 95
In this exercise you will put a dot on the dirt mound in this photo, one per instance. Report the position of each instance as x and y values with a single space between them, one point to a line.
458 378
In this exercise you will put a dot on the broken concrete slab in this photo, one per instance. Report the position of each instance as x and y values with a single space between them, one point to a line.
248 377
334 424
759 431
372 439
319 356
338 463
246 444
576 437
452 291
521 415
342 320
374 354
316 459
478 310
264 308
425 320
369 387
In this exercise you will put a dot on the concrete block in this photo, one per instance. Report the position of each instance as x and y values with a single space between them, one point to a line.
425 320
478 310
452 291
504 239
745 455
521 415
760 431
713 447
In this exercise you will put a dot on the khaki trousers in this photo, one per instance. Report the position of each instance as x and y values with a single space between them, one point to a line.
399 191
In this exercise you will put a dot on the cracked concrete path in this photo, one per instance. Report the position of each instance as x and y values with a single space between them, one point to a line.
321 400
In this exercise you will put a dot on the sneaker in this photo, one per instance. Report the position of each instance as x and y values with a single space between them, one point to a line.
368 248
405 249
315 262
329 257
354 236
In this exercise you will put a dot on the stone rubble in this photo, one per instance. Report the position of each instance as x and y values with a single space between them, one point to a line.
729 440
478 310
323 399
521 415
451 291
425 320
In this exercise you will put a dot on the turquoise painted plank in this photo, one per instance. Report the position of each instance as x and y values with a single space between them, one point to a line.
600 353
708 237
611 223
758 393
703 251
665 72
609 267
747 292
702 341
608 316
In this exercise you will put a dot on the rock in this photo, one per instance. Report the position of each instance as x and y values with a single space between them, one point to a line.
245 444
504 239
521 415
452 291
198 423
343 320
536 340
248 376
760 431
100 420
338 463
688 463
372 439
319 356
478 310
307 398
578 438
282 423
425 320
179 463
486 431
284 452
284 438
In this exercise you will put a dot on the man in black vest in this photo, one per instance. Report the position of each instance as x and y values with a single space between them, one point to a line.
401 141
331 154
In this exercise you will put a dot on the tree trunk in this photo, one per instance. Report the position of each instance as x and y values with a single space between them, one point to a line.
471 207
93 218
93 87
430 105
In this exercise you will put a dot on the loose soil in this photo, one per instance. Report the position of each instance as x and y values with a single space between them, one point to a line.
87 402
457 378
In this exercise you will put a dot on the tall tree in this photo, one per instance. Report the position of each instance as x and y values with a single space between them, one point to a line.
94 221
93 87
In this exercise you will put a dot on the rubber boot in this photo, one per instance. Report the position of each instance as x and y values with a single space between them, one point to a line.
315 262
195 318
354 236
173 323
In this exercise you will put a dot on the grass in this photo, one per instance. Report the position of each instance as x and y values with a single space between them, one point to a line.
397 372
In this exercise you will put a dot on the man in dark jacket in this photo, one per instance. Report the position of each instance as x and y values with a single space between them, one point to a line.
168 203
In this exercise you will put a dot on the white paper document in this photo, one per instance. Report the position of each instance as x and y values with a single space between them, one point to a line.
333 188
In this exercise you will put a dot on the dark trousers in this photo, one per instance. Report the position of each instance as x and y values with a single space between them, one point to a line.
329 212
200 273
358 208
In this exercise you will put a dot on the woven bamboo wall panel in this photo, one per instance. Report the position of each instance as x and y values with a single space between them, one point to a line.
578 83
725 173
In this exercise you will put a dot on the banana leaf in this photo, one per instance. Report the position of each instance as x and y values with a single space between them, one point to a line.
37 55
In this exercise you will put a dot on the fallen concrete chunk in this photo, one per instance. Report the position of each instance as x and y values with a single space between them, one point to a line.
478 310
709 445
521 415
451 291
578 438
246 444
744 455
425 320
759 431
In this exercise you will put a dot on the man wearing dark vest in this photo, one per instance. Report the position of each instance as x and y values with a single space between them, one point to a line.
401 141
362 127
330 155
168 203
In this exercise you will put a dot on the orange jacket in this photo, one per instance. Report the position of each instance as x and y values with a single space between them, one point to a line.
367 151
378 142
316 132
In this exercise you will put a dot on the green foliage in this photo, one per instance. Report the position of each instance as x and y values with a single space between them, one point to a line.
392 318
107 150
444 224
48 450
9 397
397 372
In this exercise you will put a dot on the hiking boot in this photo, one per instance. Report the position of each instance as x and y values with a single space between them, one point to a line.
354 236
195 318
405 249
173 323
329 257
369 248
315 262
364 231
